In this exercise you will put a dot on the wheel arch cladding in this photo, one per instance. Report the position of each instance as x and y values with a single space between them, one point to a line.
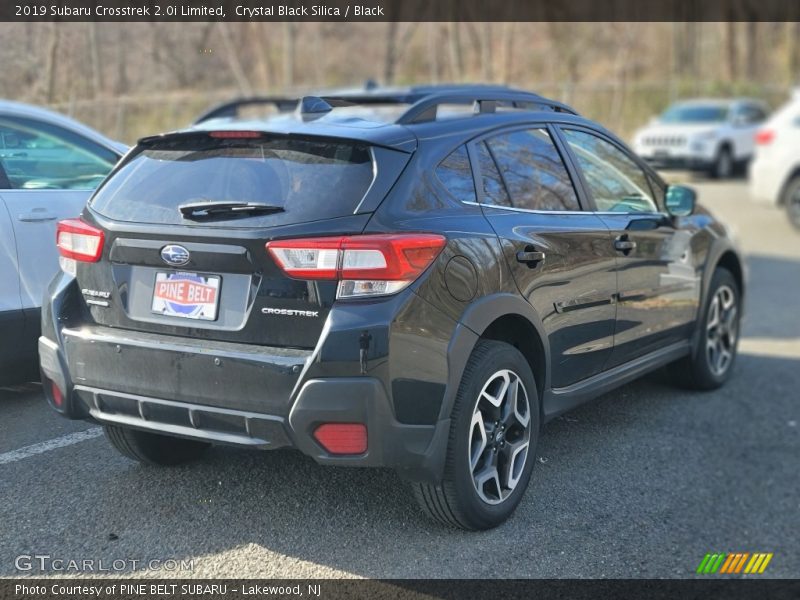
517 331
728 260
508 318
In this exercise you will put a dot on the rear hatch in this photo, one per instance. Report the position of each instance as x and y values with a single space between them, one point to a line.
186 218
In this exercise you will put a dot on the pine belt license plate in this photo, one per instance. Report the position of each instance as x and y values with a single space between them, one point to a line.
186 295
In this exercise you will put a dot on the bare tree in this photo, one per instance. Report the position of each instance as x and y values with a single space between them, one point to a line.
288 53
94 60
793 51
506 63
732 50
52 62
232 58
455 52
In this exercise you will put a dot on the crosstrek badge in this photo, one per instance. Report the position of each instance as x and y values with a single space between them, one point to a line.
187 295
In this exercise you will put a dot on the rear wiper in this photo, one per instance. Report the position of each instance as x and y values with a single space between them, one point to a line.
211 209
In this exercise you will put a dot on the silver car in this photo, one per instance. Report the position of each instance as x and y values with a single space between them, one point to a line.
49 165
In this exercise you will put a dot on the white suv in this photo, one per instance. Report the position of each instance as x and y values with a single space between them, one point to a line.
704 135
775 171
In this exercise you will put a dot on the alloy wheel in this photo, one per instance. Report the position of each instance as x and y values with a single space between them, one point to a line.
500 434
722 328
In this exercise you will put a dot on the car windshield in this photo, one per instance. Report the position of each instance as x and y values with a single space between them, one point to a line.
695 113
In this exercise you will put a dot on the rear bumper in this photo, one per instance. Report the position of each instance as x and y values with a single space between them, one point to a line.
215 393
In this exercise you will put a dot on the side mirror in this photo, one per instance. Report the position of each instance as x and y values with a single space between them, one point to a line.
680 200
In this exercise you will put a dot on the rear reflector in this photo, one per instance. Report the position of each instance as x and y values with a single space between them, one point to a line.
765 137
365 265
342 438
58 397
80 241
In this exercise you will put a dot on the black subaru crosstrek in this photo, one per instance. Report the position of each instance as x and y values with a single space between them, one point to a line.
416 279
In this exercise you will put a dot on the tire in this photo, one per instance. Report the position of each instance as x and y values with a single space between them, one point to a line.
707 368
723 166
152 448
791 200
510 435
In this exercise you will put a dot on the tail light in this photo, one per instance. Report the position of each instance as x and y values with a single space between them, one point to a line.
342 438
364 265
78 241
765 137
58 397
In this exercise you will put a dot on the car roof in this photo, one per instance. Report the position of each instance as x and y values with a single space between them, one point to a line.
361 114
19 109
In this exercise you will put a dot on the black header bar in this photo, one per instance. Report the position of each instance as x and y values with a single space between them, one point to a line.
399 10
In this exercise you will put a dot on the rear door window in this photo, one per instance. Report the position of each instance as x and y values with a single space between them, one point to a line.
533 171
309 179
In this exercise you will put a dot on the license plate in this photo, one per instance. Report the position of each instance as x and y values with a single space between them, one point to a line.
186 295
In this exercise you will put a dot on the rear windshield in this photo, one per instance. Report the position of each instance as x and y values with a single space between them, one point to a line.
309 180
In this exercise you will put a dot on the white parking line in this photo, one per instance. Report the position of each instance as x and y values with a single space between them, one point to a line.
42 447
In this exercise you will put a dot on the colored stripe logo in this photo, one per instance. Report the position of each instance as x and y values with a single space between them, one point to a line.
731 563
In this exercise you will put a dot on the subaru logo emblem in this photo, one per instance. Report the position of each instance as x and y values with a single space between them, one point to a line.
175 255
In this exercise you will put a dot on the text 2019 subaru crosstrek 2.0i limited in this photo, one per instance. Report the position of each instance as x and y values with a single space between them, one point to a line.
416 279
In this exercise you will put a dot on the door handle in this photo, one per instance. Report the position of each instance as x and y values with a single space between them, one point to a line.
530 257
624 245
35 217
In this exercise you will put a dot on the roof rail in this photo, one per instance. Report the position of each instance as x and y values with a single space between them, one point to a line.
483 101
231 109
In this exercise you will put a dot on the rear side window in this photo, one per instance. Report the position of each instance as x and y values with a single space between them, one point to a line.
455 173
533 171
310 180
494 191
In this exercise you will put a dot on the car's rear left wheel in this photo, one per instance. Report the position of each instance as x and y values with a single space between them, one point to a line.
492 446
153 448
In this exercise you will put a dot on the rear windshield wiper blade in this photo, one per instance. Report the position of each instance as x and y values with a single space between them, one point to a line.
211 209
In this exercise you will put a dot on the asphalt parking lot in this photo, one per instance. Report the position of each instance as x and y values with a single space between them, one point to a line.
642 483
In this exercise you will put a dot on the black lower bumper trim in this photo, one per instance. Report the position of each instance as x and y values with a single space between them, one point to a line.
218 425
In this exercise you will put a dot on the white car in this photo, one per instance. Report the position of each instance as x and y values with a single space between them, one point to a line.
703 135
775 171
49 165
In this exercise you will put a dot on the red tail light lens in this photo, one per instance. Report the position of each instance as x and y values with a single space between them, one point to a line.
79 241
342 438
365 265
765 137
58 397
